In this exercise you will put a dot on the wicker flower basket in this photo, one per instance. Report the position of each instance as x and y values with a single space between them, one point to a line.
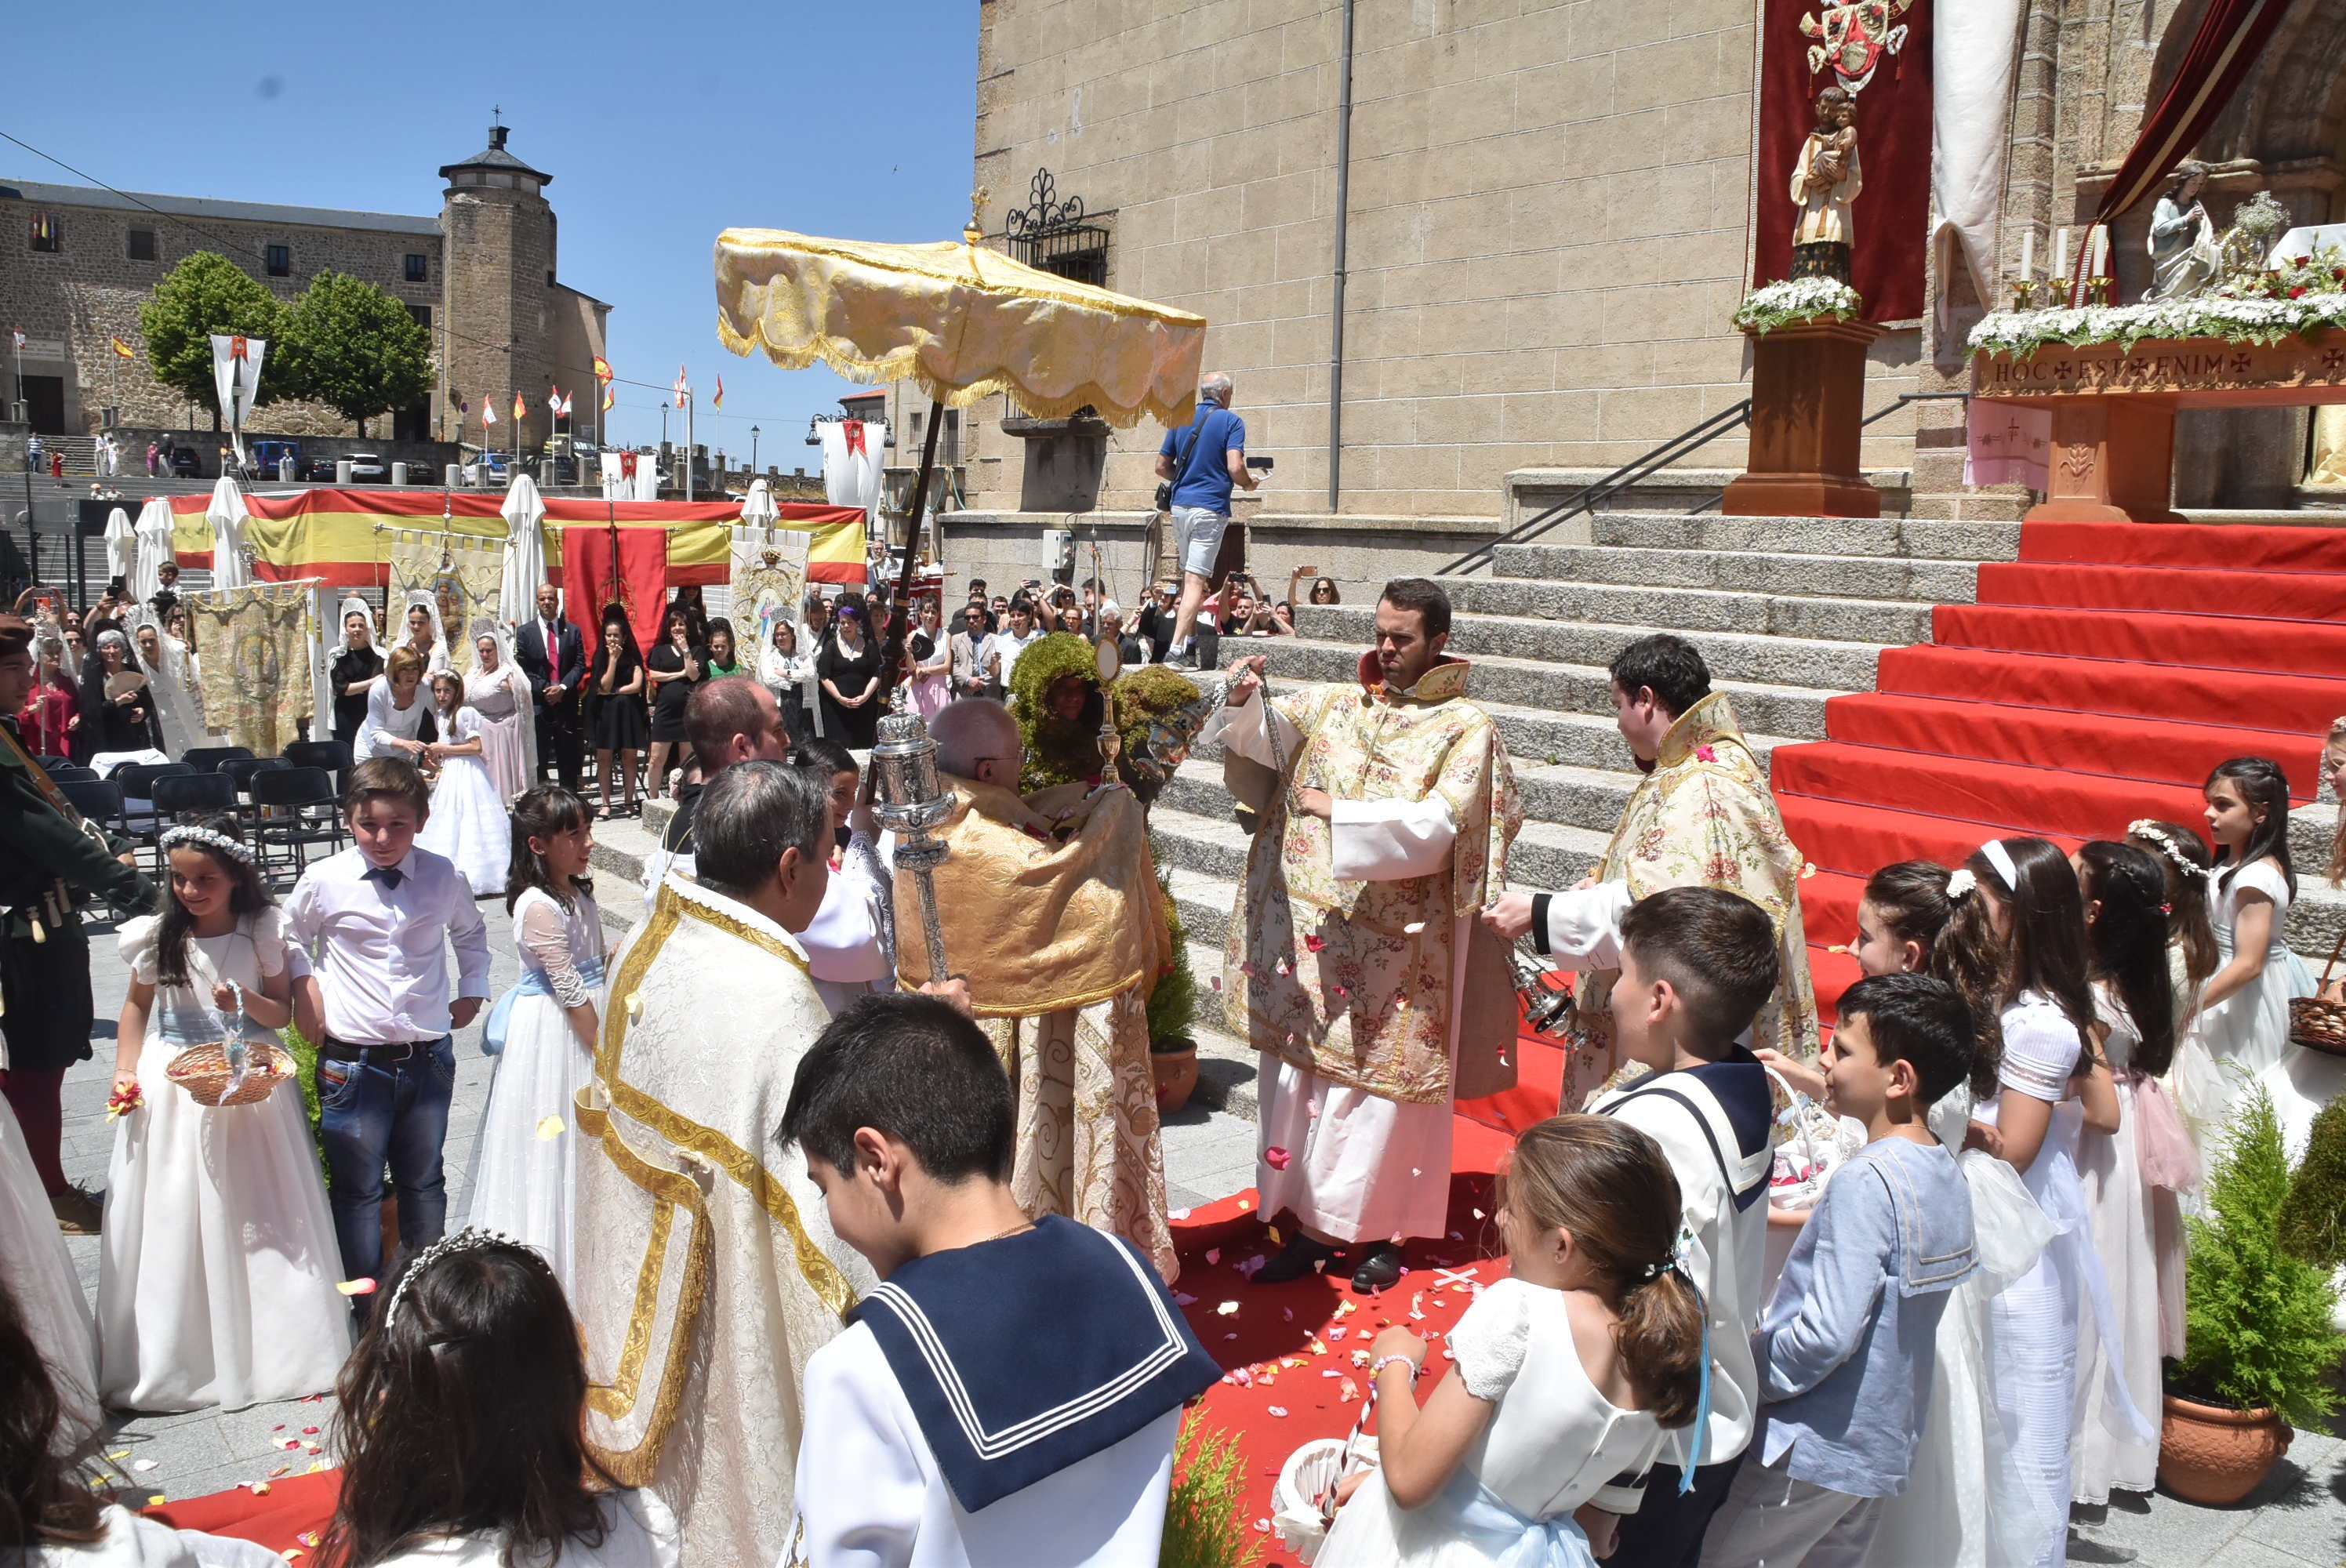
202 1071
2316 1023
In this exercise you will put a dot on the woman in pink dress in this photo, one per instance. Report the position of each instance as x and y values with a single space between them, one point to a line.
931 661
498 690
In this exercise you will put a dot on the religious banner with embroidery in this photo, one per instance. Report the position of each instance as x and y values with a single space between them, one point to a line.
1879 53
624 566
255 661
769 569
464 579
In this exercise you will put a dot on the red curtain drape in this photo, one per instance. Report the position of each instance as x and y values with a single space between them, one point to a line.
636 575
1891 215
2232 33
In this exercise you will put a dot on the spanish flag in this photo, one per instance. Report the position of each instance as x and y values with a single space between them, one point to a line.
718 401
521 407
602 370
122 349
610 396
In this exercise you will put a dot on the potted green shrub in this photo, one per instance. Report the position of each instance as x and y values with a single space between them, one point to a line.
1172 1014
2313 1220
2258 1337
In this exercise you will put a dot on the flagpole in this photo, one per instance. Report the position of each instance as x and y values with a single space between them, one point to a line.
691 399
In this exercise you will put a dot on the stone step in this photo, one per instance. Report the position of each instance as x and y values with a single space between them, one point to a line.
1796 712
1771 571
1730 655
1696 612
1845 537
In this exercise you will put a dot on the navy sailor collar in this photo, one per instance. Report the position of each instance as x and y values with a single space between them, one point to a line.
1023 1356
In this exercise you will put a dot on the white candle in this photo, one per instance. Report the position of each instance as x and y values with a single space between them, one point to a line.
2061 252
2028 254
2101 249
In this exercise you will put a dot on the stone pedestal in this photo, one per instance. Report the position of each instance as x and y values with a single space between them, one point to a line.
1807 401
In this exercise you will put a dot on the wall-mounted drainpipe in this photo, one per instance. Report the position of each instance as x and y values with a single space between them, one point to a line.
1336 312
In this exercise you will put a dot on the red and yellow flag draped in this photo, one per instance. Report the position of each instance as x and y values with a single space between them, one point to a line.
333 534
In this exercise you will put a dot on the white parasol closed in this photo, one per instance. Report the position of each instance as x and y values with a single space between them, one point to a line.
153 536
525 563
758 508
121 545
227 515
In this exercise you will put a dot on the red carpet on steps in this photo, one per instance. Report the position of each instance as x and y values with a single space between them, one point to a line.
2099 678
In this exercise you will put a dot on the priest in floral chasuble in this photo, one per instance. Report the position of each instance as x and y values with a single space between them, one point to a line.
1354 962
706 1270
1701 817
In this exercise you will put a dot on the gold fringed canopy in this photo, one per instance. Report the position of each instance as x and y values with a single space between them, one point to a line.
962 321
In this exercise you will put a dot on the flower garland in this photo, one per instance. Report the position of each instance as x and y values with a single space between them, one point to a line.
2302 297
1773 305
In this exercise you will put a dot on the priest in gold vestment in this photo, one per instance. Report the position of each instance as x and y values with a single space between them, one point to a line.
1354 962
707 1272
1051 915
1701 817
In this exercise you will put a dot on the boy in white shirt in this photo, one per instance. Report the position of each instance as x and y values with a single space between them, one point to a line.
369 921
1697 963
1010 1395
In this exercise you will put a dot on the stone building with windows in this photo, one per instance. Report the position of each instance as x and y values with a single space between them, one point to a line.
76 261
1543 206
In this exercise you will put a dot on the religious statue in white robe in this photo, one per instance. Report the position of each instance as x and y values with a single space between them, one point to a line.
707 1269
1354 961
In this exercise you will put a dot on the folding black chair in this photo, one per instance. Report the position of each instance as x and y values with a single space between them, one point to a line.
65 772
178 795
208 759
333 756
137 780
100 800
240 770
50 765
296 808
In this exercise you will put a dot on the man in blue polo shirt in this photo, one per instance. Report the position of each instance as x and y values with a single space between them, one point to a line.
1203 460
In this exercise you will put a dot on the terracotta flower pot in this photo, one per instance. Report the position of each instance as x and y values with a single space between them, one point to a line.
2213 1456
1176 1074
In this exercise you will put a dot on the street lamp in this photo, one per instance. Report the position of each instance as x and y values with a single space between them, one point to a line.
753 452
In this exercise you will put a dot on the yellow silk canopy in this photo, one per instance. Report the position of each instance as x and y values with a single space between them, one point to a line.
962 321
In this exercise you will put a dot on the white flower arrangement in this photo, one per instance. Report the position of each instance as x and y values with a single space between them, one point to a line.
2302 297
1774 305
1960 884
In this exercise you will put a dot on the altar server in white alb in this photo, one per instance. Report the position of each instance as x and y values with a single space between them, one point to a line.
1010 1395
1355 964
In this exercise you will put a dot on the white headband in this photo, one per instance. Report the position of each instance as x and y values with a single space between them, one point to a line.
234 849
2001 859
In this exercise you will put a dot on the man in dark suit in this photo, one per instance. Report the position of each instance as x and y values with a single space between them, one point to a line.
554 656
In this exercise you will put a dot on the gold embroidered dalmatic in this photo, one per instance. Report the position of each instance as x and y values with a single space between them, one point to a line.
1355 979
1050 912
1704 818
706 1270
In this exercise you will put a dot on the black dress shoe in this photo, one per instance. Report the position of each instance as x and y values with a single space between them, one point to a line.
1380 1270
1299 1257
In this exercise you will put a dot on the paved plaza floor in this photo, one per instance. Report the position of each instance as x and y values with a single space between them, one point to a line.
2297 1518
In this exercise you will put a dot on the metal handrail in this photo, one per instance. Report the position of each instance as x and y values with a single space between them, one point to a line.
1587 497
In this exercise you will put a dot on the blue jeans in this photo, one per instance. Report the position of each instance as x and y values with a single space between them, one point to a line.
372 1111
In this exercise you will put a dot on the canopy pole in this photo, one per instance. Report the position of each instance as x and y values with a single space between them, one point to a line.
891 652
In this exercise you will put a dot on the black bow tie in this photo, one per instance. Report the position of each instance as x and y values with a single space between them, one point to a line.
389 876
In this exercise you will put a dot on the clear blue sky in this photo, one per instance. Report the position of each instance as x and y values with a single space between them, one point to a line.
661 124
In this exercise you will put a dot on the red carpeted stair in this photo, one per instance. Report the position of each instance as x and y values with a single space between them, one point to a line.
2099 678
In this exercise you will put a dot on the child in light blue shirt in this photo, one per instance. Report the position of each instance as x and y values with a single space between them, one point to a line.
1845 1348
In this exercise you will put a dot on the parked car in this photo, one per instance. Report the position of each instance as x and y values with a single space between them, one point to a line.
367 468
320 471
267 455
184 464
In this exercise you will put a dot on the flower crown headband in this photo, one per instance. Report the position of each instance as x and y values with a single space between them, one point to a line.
236 849
2156 833
470 1239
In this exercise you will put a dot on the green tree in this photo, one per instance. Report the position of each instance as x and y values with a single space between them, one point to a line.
204 294
355 349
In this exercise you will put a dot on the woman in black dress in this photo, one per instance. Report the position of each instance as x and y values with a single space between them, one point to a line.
696 612
355 666
124 722
848 667
614 695
673 668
